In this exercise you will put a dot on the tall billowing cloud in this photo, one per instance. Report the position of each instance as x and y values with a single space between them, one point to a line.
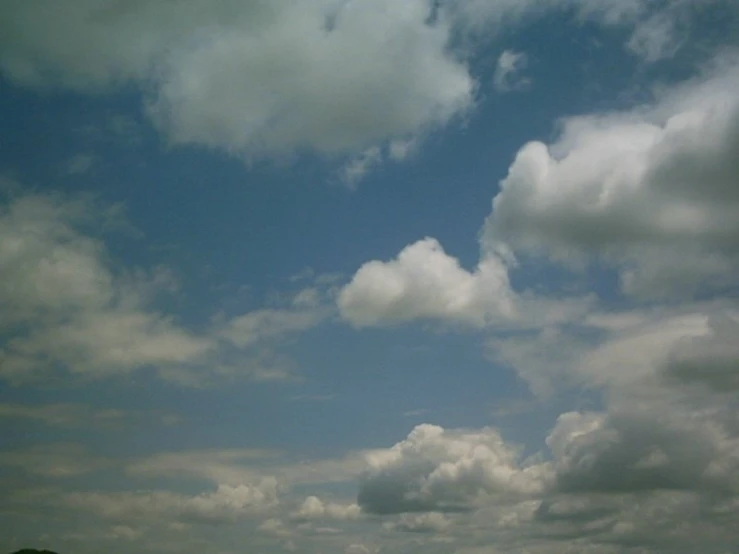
424 282
652 190
435 469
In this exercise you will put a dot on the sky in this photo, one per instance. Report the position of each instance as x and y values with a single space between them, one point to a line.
369 276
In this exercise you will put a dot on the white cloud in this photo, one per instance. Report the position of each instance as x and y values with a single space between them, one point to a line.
689 344
355 170
651 190
65 307
507 76
425 282
434 469
710 358
264 324
315 508
252 77
269 79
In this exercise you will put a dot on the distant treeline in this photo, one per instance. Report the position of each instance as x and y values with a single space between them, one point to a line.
33 551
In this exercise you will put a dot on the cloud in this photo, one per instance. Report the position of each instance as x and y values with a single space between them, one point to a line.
431 522
81 164
710 359
65 306
261 325
231 466
227 504
355 170
622 349
435 469
263 80
256 78
638 451
507 76
650 190
314 508
425 282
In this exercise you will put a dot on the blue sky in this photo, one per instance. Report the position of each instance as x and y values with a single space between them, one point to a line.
369 276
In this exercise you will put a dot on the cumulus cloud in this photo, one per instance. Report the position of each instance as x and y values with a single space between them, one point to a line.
507 76
434 469
425 282
651 190
252 77
314 508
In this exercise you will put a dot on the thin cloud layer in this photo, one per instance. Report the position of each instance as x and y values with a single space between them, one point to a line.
507 76
65 310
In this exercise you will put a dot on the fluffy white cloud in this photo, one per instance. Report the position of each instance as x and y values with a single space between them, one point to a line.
425 282
253 77
435 469
315 508
507 76
652 190
267 79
